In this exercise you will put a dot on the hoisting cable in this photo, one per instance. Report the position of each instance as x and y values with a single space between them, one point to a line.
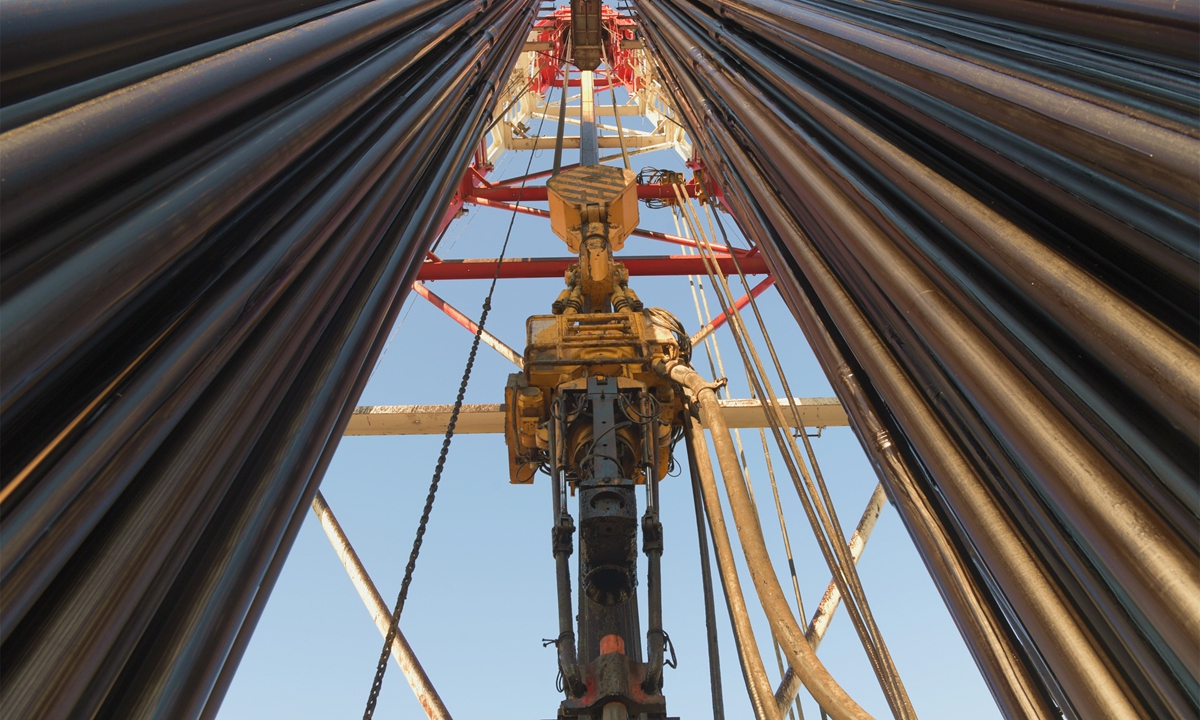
705 320
831 541
885 666
696 301
787 546
616 111
823 497
562 110
719 371
381 667
821 529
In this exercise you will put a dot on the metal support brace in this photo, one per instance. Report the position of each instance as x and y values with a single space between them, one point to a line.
401 651
789 686
489 339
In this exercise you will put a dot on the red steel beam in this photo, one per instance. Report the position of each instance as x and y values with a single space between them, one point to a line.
537 193
511 268
637 232
491 340
740 303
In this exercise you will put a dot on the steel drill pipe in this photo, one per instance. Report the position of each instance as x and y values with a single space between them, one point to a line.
52 44
1182 352
1151 563
340 236
982 621
1121 146
178 659
158 242
101 140
1096 591
1160 364
1046 611
265 374
744 172
425 222
1154 27
436 204
952 107
14 115
82 460
845 265
983 625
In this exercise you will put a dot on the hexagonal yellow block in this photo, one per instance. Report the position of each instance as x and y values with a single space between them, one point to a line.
613 193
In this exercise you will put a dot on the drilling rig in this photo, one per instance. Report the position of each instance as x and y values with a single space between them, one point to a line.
590 409
981 215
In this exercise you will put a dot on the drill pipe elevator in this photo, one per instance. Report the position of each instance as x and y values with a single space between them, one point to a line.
982 215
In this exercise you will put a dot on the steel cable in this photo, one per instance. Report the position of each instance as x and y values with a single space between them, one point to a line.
824 496
825 527
704 320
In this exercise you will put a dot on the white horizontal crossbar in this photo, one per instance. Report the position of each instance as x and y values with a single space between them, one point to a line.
481 419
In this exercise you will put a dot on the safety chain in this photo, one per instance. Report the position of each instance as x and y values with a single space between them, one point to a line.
381 668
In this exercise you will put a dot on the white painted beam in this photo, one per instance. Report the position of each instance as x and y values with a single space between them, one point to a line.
482 419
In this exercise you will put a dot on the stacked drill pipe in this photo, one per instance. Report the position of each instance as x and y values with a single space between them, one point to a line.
987 230
199 271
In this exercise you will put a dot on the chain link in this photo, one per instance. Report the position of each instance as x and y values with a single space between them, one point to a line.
381 668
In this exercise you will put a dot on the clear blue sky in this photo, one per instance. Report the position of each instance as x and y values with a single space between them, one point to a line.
483 593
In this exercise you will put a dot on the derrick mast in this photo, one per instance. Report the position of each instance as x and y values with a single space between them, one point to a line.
591 410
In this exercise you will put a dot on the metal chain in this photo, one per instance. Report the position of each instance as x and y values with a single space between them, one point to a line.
381 667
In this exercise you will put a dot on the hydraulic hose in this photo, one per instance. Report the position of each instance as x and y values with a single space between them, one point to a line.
562 536
832 698
762 700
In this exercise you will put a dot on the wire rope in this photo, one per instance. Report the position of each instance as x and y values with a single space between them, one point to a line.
825 528
818 518
823 496
703 320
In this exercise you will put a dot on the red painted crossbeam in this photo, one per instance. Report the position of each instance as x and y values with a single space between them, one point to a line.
483 268
537 193
637 232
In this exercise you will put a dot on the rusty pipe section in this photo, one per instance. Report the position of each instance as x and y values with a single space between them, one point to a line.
832 698
221 249
1001 277
421 686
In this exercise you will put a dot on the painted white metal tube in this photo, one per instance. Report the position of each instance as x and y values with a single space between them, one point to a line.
789 686
589 150
413 672
829 602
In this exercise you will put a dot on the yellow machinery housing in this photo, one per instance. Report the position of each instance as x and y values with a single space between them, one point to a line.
562 352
